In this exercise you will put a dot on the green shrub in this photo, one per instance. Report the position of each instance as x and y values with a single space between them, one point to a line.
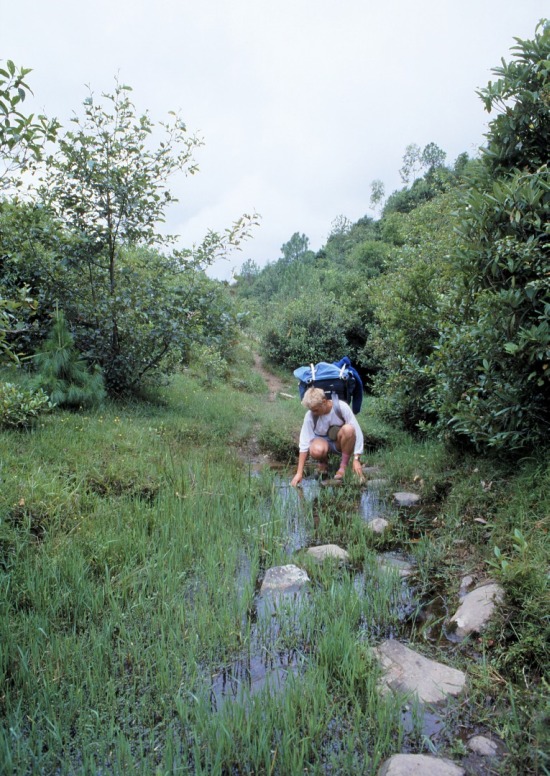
20 407
492 381
310 329
209 364
64 374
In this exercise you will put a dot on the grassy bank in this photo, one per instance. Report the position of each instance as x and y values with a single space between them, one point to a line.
132 543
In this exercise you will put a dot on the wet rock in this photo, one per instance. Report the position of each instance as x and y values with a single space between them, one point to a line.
325 551
378 483
378 525
476 609
404 499
372 471
331 483
284 579
389 562
483 746
465 584
407 671
419 765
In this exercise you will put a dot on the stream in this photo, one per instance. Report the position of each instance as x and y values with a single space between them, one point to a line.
264 665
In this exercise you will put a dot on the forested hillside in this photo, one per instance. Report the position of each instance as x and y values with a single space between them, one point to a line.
443 301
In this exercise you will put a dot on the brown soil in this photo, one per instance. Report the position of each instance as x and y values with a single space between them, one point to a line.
274 384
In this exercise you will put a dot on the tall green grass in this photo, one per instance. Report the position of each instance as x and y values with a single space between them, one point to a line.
132 543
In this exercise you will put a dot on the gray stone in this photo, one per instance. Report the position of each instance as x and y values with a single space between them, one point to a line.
378 483
465 584
372 471
476 609
405 499
408 672
483 746
389 562
284 579
378 525
419 765
325 551
331 483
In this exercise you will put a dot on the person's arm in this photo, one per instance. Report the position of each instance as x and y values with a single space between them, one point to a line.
302 458
349 417
306 435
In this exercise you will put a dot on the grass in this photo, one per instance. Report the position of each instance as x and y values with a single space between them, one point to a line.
132 542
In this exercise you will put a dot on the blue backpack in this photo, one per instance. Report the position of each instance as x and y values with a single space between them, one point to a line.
339 377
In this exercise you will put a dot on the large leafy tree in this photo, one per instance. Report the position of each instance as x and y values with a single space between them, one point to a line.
109 187
491 366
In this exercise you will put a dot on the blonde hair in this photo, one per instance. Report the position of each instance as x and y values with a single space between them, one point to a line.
313 398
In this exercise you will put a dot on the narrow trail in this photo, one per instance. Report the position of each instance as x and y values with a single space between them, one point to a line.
274 384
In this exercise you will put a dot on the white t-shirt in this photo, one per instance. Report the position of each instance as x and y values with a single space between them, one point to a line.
309 432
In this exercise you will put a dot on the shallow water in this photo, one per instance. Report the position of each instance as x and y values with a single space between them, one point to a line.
265 666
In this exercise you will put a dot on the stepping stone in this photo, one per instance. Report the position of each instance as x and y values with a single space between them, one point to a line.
284 579
405 499
377 483
372 471
378 525
331 483
483 746
389 562
419 765
476 609
409 672
325 551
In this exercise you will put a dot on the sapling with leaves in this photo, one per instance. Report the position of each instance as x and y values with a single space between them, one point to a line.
62 372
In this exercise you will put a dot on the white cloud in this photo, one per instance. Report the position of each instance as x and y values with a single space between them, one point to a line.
301 103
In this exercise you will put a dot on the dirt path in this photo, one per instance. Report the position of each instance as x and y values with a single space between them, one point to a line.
274 384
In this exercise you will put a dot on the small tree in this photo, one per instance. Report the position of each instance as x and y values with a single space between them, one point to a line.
62 372
109 186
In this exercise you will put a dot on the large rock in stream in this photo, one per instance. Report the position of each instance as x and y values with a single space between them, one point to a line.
409 672
324 551
476 609
284 579
419 765
405 499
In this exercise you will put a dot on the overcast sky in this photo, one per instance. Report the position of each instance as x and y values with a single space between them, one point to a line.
301 103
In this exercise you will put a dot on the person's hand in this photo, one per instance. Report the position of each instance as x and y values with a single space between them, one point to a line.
296 480
358 470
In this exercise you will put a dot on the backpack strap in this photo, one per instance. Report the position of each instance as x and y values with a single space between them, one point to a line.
336 405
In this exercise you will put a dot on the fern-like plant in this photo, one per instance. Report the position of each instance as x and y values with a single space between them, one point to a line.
62 372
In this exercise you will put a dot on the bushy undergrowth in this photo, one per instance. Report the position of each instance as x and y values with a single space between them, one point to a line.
20 407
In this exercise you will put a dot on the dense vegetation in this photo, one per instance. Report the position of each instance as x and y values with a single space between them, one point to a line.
132 537
444 301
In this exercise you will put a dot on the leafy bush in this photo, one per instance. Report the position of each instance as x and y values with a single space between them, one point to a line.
409 304
492 381
209 364
20 407
309 329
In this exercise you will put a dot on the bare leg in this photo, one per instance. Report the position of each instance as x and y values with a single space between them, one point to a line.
345 443
318 450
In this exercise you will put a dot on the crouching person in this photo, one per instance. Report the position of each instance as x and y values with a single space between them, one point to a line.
329 427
